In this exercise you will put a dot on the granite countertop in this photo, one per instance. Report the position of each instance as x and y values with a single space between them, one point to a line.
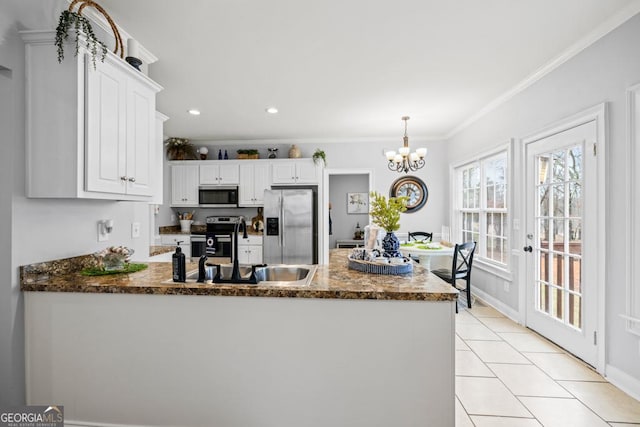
158 249
197 229
334 281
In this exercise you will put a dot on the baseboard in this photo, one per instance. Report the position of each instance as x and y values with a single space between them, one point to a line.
623 381
497 304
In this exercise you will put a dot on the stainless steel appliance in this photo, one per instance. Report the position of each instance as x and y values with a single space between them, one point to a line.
198 245
219 237
218 196
290 232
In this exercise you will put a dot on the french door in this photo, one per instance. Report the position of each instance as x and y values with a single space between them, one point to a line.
561 240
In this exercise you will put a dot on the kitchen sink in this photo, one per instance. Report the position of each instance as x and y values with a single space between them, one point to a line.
271 275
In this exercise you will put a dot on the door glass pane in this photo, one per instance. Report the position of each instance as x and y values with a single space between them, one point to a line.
544 266
558 160
575 310
556 303
558 200
558 235
543 204
543 297
543 169
543 233
557 275
575 199
575 236
574 163
575 274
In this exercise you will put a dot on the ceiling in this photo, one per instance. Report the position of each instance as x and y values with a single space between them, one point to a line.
348 69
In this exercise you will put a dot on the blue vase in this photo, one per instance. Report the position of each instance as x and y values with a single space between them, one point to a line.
390 245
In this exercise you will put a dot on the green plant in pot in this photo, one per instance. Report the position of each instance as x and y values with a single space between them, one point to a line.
180 149
386 214
319 155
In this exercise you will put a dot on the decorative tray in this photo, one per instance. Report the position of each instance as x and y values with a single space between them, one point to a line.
405 266
128 268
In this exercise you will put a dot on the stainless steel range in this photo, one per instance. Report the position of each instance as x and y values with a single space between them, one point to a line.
217 241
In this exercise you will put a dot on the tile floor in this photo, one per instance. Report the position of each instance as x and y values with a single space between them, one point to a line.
507 375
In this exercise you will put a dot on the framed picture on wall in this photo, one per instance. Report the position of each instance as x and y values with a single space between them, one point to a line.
357 203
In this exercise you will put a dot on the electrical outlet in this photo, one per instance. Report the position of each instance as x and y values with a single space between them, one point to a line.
102 235
173 218
506 286
135 230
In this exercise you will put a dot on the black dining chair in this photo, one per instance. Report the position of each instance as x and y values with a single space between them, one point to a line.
420 236
460 268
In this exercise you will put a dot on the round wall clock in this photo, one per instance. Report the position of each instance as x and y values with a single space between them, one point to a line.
412 187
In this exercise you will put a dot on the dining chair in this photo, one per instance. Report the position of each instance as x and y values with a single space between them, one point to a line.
460 268
420 236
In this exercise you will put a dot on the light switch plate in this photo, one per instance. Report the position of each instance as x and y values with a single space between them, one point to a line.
135 230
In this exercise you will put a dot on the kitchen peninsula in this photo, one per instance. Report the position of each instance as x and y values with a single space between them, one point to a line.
349 349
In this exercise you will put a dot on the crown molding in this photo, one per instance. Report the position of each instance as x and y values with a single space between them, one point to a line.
600 31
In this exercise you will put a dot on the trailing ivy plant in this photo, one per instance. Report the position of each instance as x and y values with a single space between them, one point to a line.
320 155
80 25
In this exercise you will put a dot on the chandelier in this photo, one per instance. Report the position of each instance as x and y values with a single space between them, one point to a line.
404 160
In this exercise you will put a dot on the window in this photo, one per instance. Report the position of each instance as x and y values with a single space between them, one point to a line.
482 207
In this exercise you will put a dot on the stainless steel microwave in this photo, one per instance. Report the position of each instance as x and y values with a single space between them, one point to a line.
217 196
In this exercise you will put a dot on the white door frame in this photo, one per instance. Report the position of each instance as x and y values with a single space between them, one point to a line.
324 259
600 115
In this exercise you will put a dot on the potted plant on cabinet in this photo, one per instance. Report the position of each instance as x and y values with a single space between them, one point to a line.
318 156
386 214
180 149
248 154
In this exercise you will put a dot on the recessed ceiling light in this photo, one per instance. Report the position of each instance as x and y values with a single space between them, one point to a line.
271 110
194 112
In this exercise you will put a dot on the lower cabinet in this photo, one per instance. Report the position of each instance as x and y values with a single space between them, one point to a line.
250 250
173 239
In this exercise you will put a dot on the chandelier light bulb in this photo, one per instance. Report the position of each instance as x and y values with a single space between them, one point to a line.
390 155
404 151
421 152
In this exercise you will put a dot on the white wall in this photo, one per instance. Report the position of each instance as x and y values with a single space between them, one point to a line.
601 73
35 230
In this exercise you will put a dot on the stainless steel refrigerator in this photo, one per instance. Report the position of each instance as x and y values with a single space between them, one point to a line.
290 235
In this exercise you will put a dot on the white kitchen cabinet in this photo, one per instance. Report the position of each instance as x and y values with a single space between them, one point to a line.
250 250
255 177
93 129
184 184
223 172
302 171
157 162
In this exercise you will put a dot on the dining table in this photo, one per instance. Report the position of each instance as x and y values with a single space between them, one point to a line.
425 251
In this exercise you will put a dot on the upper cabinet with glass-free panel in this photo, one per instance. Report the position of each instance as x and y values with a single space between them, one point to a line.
298 171
224 172
101 145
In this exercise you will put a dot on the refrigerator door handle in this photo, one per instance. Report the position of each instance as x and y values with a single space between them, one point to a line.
282 223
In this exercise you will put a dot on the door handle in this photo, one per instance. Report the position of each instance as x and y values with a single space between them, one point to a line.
528 249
